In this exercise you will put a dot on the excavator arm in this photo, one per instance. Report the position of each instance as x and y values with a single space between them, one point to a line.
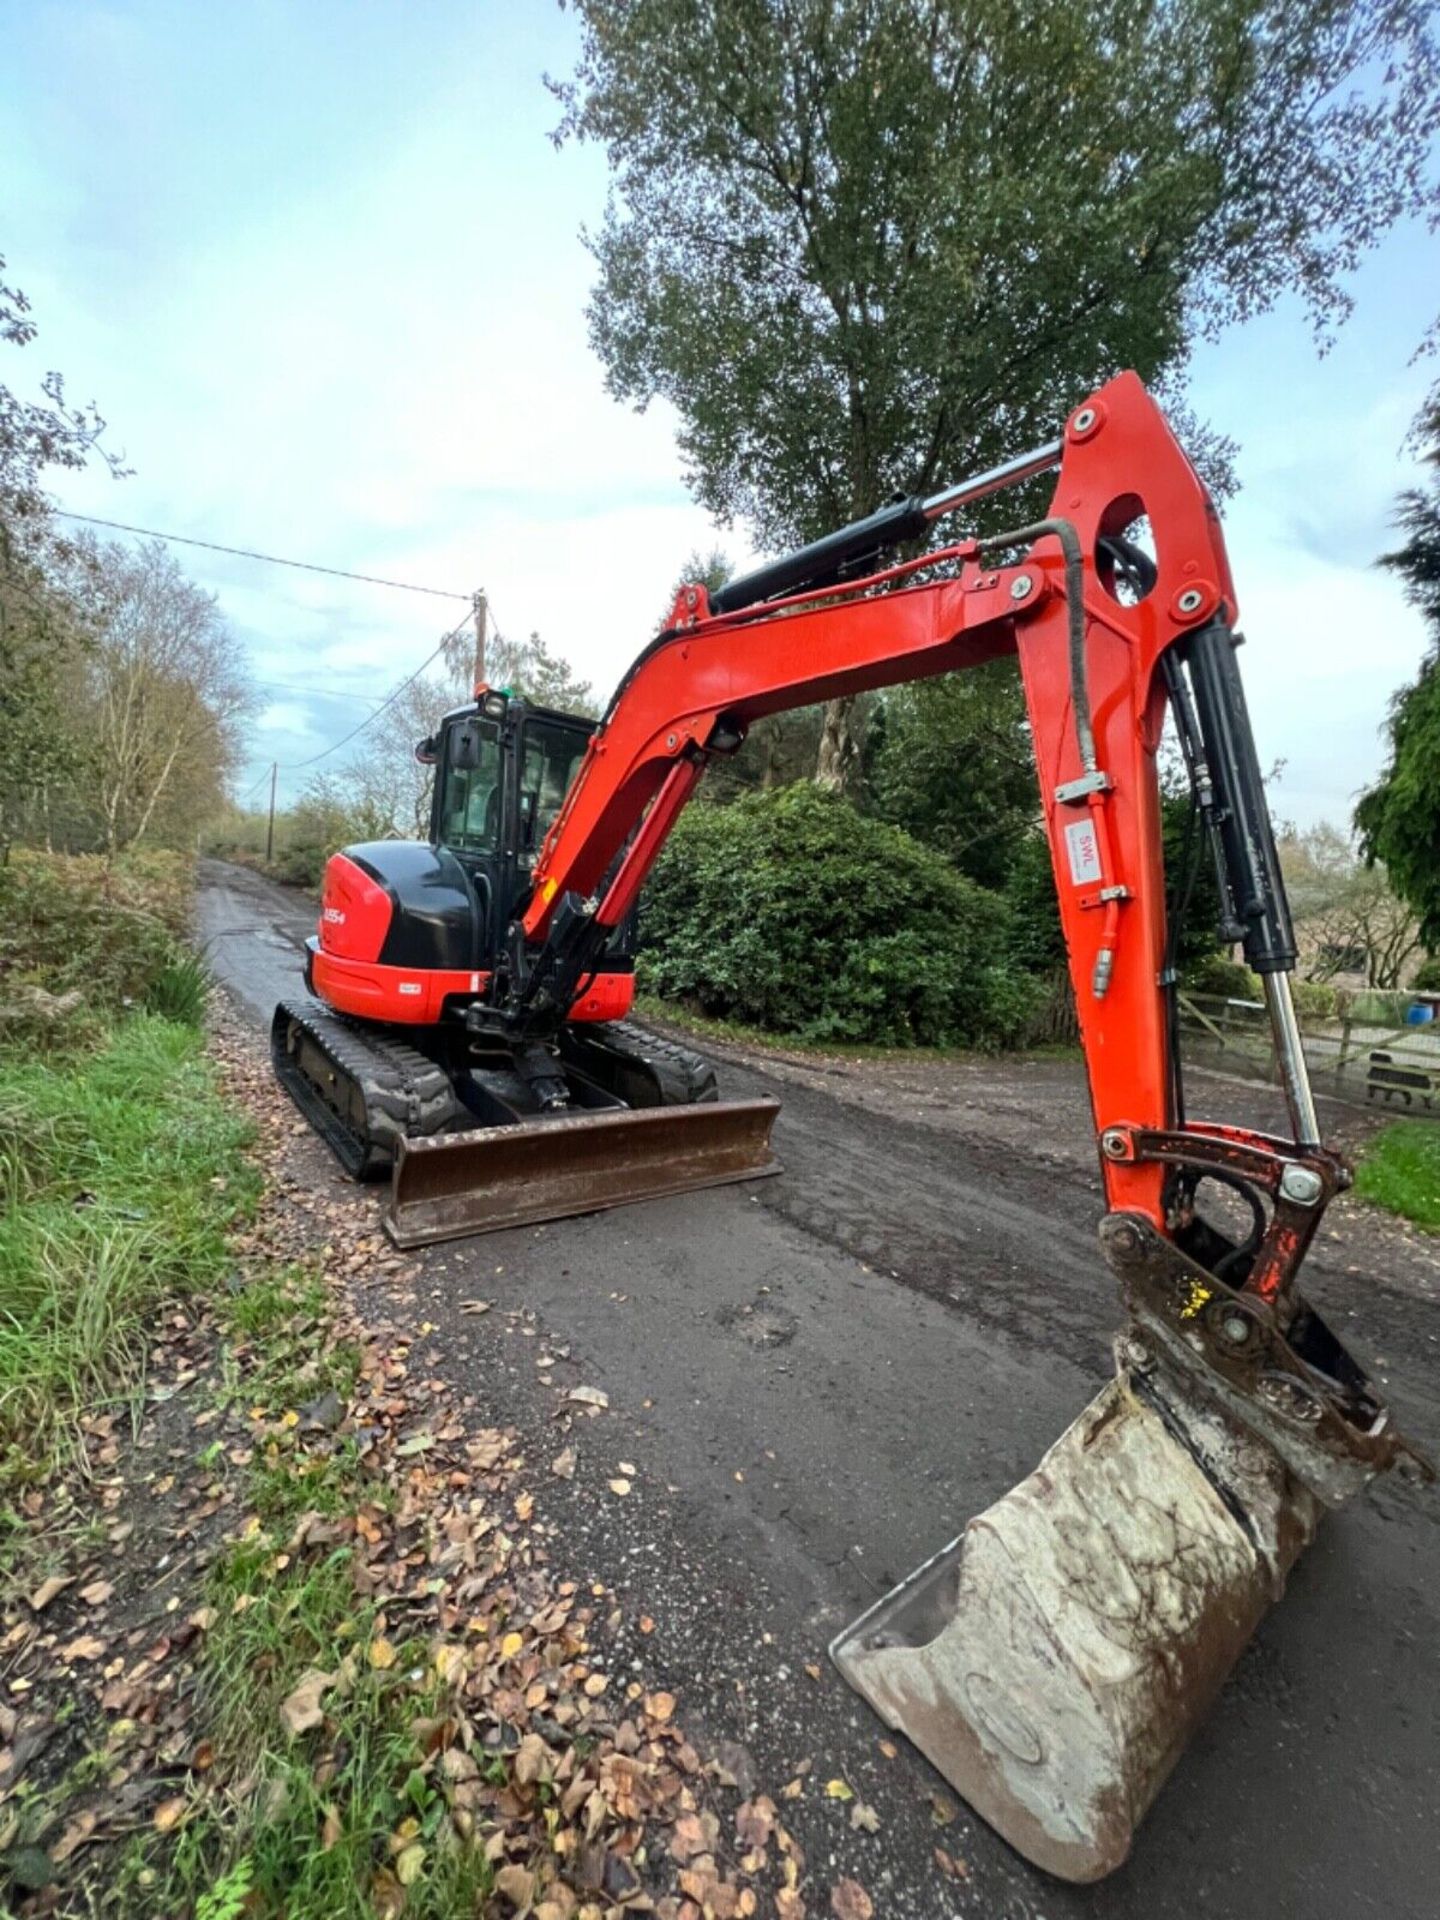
1052 1659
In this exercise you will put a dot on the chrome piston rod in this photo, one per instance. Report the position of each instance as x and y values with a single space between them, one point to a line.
1290 1053
1009 473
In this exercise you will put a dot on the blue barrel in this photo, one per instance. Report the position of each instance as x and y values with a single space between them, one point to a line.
1419 1014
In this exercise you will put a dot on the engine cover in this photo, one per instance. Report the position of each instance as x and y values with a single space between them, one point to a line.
401 903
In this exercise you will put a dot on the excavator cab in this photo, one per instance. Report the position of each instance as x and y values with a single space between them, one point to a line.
502 769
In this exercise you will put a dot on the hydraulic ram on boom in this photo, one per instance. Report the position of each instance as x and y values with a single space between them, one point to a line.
1052 1659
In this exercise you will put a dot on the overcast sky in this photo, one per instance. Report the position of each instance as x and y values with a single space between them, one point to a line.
321 267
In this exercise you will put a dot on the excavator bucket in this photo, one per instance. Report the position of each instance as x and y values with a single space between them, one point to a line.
456 1184
1052 1662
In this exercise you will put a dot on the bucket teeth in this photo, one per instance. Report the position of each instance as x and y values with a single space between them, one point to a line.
1053 1661
465 1183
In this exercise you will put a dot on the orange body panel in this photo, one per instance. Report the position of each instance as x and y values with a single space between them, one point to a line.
416 996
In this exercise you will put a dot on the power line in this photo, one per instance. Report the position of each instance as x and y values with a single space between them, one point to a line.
320 693
297 766
273 559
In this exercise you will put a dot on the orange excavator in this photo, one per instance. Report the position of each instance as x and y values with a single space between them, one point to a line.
1052 1660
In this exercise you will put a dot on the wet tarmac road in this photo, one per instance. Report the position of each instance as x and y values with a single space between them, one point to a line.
821 1377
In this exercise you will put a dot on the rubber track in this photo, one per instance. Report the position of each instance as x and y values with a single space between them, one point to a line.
684 1077
403 1092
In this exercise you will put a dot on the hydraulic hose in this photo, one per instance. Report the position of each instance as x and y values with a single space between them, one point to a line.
1064 532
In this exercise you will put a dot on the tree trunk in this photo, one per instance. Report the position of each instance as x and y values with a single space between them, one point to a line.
839 753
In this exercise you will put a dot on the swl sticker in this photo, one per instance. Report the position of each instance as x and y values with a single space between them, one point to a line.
1084 853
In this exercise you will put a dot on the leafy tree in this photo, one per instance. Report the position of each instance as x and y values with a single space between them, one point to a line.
42 635
972 805
864 246
160 703
1399 817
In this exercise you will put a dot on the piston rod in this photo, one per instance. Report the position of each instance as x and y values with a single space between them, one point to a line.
1294 1074
1009 473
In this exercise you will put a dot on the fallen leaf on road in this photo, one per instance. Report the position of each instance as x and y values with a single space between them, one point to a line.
408 1864
301 1710
511 1645
533 1760
889 1749
694 1833
755 1821
517 1884
476 1306
450 1664
382 1654
169 1813
812 1670
77 1832
849 1901
97 1593
837 1790
589 1396
864 1818
626 1467
951 1865
524 1506
564 1464
942 1811
621 1487
596 1684
48 1589
659 1706
85 1647
647 1625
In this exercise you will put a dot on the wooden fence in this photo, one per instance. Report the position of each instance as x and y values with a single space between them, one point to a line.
1364 1061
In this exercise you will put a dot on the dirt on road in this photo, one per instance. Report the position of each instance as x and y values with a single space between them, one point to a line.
821 1377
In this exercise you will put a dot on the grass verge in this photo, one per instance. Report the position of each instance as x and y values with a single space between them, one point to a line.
120 1172
1400 1171
290 1830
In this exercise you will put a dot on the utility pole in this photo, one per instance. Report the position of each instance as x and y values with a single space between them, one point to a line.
270 825
482 614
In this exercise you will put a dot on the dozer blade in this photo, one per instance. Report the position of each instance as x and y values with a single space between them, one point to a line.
462 1183
1053 1661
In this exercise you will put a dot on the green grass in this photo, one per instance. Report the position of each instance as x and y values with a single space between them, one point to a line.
1400 1171
120 1172
303 1825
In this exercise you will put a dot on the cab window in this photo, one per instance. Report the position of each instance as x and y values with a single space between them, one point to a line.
549 760
472 797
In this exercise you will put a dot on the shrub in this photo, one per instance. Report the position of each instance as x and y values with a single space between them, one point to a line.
82 937
1225 979
1427 976
793 912
1315 999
